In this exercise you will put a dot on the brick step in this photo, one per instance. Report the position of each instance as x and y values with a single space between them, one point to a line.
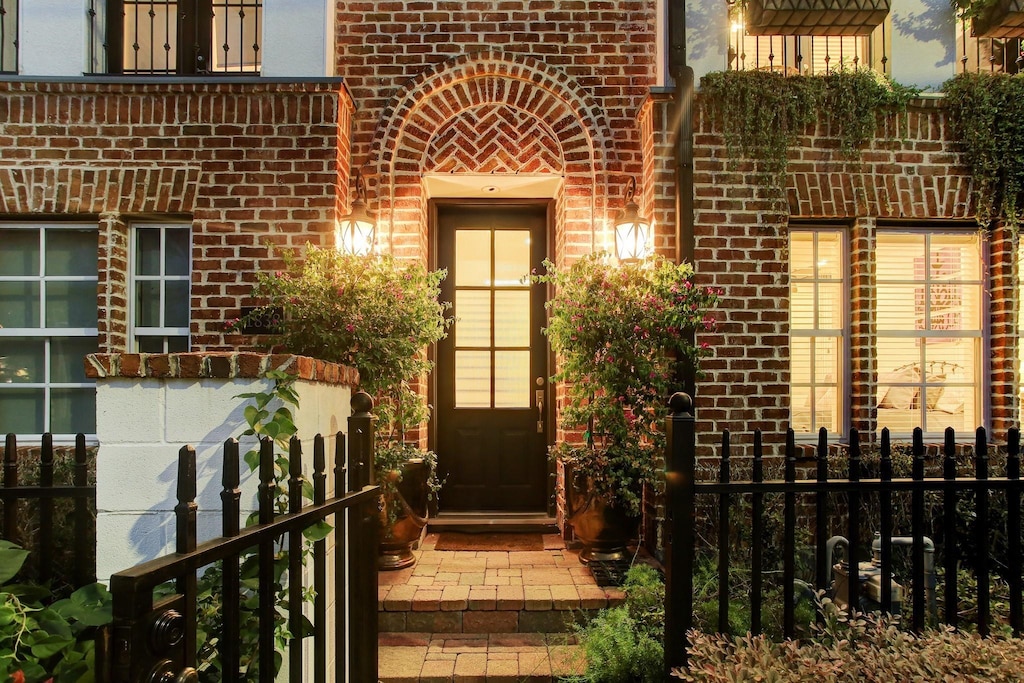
476 658
553 608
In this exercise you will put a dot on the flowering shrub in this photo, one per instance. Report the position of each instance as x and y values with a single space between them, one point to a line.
620 332
369 312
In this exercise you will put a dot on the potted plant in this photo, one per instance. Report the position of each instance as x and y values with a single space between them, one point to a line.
619 332
378 316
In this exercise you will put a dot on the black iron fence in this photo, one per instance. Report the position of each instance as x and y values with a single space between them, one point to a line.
48 503
155 633
849 532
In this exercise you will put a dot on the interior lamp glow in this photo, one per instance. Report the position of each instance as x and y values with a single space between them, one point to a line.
356 232
632 231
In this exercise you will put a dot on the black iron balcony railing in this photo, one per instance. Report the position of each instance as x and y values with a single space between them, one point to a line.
8 36
175 37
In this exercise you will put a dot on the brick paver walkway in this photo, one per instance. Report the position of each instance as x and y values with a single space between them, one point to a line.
490 616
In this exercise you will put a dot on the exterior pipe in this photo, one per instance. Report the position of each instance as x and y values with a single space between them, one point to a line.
683 115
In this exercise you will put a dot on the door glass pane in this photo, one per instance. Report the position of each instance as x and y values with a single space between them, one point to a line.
147 251
147 303
176 258
21 411
176 304
73 411
19 304
473 313
512 318
22 360
472 258
20 252
71 252
512 248
511 379
472 379
67 358
71 304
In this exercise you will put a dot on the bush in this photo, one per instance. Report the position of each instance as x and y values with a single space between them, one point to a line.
858 649
624 644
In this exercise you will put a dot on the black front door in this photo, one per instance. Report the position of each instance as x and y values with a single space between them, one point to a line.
492 368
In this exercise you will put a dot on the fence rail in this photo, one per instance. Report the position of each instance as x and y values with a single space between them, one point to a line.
80 568
822 509
156 638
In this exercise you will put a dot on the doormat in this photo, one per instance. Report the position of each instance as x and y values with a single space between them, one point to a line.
506 542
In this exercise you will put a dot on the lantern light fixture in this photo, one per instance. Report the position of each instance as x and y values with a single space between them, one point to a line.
632 231
356 232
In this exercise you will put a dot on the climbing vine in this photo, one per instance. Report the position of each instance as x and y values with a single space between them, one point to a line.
762 113
986 116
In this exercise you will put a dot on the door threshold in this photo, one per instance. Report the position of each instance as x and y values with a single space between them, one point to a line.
492 522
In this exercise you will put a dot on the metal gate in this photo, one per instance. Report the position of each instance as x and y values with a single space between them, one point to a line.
154 633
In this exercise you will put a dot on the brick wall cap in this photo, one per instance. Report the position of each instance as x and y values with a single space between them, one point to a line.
221 364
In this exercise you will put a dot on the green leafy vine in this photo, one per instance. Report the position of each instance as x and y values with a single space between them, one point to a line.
986 115
761 114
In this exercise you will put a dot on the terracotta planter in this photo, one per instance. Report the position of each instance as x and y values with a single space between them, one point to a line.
1005 19
403 516
604 530
815 17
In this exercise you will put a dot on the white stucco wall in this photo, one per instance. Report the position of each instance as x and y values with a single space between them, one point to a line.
141 426
52 37
298 38
923 42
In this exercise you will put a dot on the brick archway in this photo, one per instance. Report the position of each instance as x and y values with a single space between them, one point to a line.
492 113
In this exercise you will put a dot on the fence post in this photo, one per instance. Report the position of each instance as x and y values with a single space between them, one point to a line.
363 521
680 473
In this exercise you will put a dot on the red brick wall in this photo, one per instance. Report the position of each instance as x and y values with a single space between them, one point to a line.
571 74
247 164
742 249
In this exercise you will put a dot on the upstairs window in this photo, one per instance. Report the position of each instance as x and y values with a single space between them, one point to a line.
9 36
160 288
798 42
182 37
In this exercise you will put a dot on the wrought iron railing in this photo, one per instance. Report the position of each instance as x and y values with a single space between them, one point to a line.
996 55
159 636
842 512
175 37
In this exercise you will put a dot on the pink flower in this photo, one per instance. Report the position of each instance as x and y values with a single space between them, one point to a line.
350 328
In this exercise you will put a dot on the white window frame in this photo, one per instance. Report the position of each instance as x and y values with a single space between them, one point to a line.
48 334
922 384
134 330
842 334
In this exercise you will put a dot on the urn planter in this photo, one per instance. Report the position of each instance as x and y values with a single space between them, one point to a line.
403 514
605 530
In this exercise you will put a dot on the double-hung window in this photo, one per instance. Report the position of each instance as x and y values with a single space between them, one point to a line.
818 295
48 323
177 36
9 36
160 284
930 329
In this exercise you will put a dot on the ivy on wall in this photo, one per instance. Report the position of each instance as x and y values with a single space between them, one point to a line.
986 117
761 113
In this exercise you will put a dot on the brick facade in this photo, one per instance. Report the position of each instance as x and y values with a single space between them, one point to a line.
246 164
554 88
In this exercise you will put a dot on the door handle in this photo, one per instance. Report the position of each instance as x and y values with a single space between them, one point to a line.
540 410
